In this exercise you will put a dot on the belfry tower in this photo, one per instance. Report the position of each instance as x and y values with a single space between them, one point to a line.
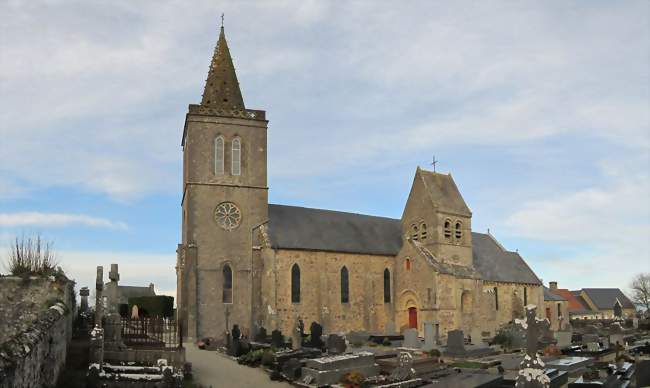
225 198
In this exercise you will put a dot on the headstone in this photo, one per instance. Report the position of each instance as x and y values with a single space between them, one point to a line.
531 370
593 347
410 338
429 336
455 343
84 292
390 328
404 369
235 341
99 287
261 335
643 373
563 339
315 332
336 344
635 322
589 338
277 339
134 312
296 335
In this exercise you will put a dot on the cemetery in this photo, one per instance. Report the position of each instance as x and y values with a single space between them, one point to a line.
526 353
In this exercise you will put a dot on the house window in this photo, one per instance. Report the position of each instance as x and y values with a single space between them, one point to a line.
559 310
295 284
447 229
345 286
525 296
218 155
236 157
423 231
408 264
459 231
496 298
227 284
386 286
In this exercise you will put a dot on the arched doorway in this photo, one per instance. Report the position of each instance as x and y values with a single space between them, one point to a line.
413 317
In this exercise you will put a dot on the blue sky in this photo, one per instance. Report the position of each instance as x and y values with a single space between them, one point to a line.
540 110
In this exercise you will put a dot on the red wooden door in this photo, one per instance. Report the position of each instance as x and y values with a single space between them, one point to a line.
413 317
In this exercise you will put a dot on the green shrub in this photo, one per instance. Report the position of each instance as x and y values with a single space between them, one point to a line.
357 343
503 338
268 358
386 342
434 353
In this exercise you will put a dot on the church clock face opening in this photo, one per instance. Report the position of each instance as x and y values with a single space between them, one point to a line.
227 215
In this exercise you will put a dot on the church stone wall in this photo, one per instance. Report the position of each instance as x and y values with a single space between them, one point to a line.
320 291
511 300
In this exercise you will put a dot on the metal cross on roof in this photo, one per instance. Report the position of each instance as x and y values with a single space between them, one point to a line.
434 162
222 14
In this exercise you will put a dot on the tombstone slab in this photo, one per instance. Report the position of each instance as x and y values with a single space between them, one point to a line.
429 336
563 338
455 343
411 339
336 344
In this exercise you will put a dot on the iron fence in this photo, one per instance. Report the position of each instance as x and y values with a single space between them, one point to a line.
150 332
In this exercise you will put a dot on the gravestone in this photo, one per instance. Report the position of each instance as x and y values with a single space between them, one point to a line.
635 322
390 328
643 374
590 338
563 339
593 347
531 370
336 344
296 335
404 369
411 339
315 332
134 312
429 336
455 343
261 335
277 339
235 341
99 304
84 292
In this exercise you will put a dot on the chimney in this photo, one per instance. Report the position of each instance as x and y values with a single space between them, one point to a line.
552 285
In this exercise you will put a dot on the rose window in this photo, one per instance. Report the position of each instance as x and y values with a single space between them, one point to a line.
227 215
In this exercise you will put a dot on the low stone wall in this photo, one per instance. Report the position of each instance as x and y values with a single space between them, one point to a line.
35 338
174 357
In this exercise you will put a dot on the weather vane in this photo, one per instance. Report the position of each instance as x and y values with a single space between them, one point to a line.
434 162
222 14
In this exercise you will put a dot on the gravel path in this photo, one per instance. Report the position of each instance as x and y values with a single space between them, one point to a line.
214 369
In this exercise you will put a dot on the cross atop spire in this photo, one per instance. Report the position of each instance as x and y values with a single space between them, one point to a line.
221 88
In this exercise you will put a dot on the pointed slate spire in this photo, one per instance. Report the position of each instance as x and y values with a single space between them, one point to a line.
221 88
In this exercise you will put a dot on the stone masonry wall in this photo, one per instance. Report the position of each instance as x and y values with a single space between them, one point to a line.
34 354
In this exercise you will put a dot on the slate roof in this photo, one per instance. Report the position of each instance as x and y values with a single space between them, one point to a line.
292 227
551 297
605 298
444 192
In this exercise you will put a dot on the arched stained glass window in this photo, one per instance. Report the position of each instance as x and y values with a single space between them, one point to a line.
345 286
218 155
236 157
227 284
295 284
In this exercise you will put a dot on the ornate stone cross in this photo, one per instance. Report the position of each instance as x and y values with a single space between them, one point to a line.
531 369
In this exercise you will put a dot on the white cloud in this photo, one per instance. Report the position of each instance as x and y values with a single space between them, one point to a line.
21 219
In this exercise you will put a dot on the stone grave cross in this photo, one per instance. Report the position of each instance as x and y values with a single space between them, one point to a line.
531 369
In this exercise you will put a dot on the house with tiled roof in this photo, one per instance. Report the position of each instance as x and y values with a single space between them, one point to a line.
556 309
595 303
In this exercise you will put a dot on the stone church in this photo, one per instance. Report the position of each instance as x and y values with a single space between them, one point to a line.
247 262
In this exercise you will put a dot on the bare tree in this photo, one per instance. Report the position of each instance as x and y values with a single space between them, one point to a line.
31 256
640 287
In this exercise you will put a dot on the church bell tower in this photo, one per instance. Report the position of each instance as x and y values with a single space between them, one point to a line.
225 198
